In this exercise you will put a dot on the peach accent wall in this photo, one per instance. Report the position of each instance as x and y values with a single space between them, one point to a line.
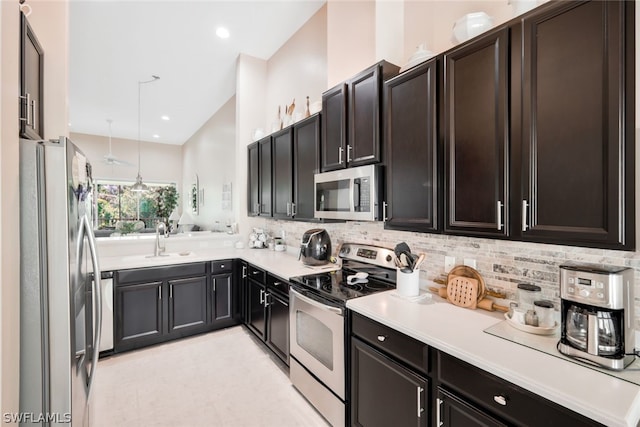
350 38
211 154
431 22
297 70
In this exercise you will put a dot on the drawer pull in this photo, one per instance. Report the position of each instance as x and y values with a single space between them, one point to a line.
277 283
382 338
255 272
500 400
221 265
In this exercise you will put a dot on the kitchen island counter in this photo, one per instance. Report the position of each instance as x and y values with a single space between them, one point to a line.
459 332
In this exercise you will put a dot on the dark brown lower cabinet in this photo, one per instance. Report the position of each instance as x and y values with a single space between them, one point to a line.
278 326
256 313
187 305
498 398
157 304
452 411
139 318
222 301
384 392
268 310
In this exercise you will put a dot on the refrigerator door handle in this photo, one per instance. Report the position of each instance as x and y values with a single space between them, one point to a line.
97 294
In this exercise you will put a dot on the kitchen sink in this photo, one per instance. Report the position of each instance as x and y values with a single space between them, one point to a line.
166 255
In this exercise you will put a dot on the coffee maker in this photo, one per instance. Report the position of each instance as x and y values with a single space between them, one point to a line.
597 314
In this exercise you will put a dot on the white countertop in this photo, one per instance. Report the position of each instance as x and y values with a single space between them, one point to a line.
282 264
459 332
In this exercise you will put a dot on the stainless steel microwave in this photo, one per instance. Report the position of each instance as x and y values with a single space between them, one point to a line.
349 194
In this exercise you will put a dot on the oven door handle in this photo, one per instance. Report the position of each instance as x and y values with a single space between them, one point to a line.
315 303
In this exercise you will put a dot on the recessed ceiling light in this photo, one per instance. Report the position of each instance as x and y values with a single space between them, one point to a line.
222 32
165 118
156 136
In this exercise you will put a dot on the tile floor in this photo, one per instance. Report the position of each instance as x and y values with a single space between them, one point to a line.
222 378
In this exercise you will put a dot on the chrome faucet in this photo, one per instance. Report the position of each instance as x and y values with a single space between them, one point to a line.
159 248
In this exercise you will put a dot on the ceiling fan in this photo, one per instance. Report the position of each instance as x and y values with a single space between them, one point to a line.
109 158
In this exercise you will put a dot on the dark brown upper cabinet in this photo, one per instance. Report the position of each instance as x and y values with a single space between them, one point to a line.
253 180
334 128
306 163
352 122
476 138
282 144
577 134
31 83
259 178
412 152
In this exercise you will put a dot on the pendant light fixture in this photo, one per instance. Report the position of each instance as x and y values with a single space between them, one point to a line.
139 186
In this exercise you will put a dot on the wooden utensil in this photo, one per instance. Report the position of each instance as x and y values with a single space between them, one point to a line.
489 305
462 291
466 271
442 292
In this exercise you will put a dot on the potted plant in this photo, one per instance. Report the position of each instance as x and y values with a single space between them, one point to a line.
167 200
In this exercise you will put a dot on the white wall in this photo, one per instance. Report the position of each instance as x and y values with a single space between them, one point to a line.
49 20
251 78
210 153
159 163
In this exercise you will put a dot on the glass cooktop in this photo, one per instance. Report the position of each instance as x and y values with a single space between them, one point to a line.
547 344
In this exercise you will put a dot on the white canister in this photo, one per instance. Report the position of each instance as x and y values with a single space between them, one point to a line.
408 284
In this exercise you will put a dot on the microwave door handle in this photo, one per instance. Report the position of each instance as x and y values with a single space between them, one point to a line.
356 194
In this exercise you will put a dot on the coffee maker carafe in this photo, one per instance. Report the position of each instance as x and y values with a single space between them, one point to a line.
597 314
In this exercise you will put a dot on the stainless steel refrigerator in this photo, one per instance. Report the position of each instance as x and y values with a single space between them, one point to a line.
59 307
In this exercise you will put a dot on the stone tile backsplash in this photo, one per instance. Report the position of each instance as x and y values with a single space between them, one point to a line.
503 264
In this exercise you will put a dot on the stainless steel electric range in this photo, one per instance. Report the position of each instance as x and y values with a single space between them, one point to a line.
318 327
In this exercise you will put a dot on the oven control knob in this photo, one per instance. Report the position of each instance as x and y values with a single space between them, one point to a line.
571 290
600 295
584 293
389 258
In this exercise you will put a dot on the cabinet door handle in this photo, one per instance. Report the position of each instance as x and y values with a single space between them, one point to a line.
170 291
266 301
384 211
382 338
525 208
261 296
500 400
244 271
349 148
420 408
34 116
340 150
293 209
499 210
439 412
159 292
288 209
29 118
214 285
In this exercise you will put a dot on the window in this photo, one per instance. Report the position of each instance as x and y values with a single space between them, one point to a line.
117 202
